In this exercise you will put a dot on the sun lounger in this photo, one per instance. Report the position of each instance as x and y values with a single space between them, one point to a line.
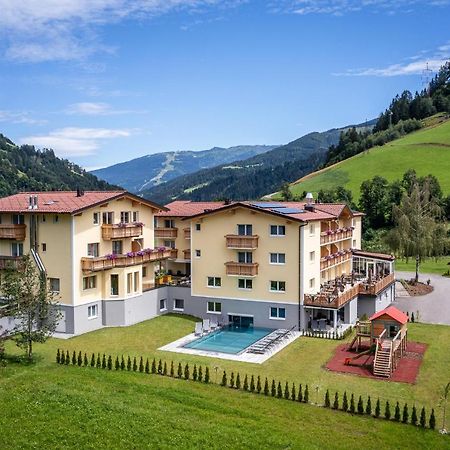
198 329
206 326
214 324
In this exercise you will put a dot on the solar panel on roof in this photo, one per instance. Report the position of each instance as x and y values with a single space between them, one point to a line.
290 211
268 205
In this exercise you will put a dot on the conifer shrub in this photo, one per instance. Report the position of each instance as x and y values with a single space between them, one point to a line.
186 372
306 394
160 367
141 364
423 418
200 374
352 404
67 360
58 357
238 381
135 367
99 364
85 360
154 366
387 411
300 394
245 383
360 406
224 378
397 412
128 363
258 385
273 389
369 406
405 415
266 387
93 360
327 402
232 380
180 371
172 369
74 358
110 362
195 373
104 361
122 363
207 374
117 363
165 369
252 384
414 416
286 391
336 401
62 359
279 390
432 421
147 366
293 393
377 408
80 359
345 402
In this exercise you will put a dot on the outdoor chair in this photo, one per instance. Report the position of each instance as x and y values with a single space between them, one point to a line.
198 329
206 326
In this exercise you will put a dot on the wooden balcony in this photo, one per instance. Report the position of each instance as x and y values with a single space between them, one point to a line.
173 253
187 254
15 232
375 287
119 231
235 241
10 262
166 233
242 269
117 261
327 261
331 301
187 233
327 237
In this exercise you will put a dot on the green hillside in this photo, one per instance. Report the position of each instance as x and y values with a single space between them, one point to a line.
426 151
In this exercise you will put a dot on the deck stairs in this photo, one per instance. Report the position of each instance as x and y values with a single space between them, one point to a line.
382 365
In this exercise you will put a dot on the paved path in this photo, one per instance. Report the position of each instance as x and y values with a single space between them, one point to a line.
433 307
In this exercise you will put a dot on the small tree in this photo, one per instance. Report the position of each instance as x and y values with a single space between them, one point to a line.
99 364
423 418
405 415
327 402
224 378
360 406
63 358
186 372
369 406
58 357
432 421
306 395
80 359
387 411
110 362
207 374
117 363
30 301
93 360
160 367
238 381
273 389
266 387
279 390
135 367
147 366
258 385
122 363
397 412
128 363
165 369
293 393
345 402
286 391
172 369
200 374
252 384
246 383
154 365
336 401
74 358
352 404
104 361
232 380
180 371
414 416
300 393
195 373
141 365
377 408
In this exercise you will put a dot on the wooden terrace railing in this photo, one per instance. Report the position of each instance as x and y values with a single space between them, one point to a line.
235 241
11 231
119 231
241 269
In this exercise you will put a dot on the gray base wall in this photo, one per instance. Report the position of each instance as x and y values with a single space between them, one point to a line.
370 305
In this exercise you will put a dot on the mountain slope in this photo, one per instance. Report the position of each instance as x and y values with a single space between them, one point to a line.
143 173
26 169
252 177
427 151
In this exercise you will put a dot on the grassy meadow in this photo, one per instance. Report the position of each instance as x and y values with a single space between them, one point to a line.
45 405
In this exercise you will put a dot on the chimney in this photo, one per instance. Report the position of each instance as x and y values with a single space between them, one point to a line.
227 201
30 202
309 202
35 202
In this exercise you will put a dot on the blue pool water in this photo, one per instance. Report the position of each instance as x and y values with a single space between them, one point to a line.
230 339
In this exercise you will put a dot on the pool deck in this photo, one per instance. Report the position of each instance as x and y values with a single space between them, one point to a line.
178 347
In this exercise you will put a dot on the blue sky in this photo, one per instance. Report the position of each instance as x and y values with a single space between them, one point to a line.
103 81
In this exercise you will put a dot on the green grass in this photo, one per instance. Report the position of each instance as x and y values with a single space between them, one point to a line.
439 266
47 405
427 151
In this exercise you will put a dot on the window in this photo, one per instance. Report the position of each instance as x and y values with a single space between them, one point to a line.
198 227
163 304
214 282
354 243
16 249
89 282
214 307
125 216
245 257
277 230
198 253
312 228
135 216
108 218
96 218
129 281
312 256
278 286
169 244
54 284
18 219
277 258
92 311
114 284
245 283
178 304
92 249
117 247
55 219
312 283
144 272
245 230
169 223
136 281
278 313
44 247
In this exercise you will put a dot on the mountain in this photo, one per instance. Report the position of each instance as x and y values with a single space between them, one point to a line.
255 176
26 169
145 172
427 151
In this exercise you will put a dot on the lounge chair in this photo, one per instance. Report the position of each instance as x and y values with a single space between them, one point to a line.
198 329
206 326
214 324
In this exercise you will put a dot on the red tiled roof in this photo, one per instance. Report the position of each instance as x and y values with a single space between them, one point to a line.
393 312
64 201
187 208
383 256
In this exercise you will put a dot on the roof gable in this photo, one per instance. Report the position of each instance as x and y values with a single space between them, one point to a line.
392 312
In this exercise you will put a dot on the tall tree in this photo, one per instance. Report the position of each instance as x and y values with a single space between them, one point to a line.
374 201
29 300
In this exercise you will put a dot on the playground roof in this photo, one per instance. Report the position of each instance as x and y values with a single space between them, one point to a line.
393 312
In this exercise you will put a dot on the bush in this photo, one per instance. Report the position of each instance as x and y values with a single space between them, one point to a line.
352 405
293 393
345 402
104 361
99 364
186 372
93 360
122 363
306 395
80 359
286 391
387 411
67 360
405 415
423 419
336 401
414 416
58 357
377 409
327 402
207 374
232 380
109 362
180 371
245 383
141 365
397 413
224 378
195 373
279 390
117 363
165 369
252 384
147 366
200 374
360 406
273 390
238 381
258 385
160 367
369 406
172 369
74 358
266 387
154 365
300 394
62 359
135 367
432 421
128 363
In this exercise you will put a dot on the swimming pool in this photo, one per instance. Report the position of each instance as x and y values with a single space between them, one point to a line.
232 340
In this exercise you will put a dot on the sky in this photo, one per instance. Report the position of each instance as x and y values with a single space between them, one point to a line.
105 81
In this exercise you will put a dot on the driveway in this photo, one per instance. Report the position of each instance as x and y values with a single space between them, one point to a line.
434 307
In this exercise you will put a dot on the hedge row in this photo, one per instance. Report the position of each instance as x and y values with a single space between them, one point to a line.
250 384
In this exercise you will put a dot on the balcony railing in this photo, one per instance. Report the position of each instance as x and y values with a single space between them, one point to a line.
337 258
187 233
173 253
116 261
166 233
235 241
375 287
331 301
122 230
187 253
242 269
327 237
10 262
16 232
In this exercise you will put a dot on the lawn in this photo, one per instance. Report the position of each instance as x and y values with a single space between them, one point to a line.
427 151
439 266
138 409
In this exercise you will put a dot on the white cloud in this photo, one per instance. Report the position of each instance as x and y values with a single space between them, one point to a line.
97 109
48 30
72 141
19 117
